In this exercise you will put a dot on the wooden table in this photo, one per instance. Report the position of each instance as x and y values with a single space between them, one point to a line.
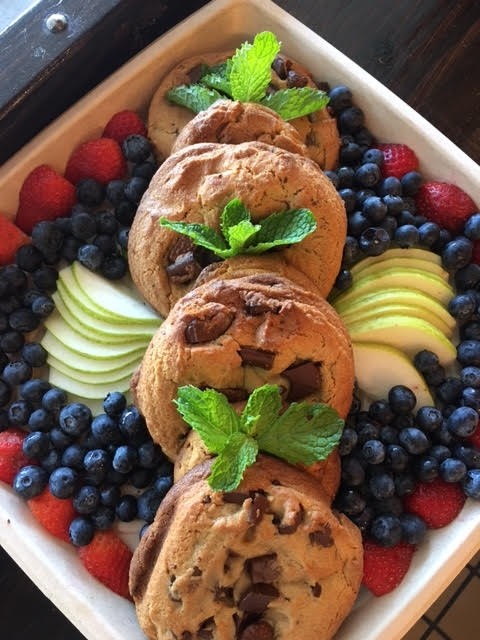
425 51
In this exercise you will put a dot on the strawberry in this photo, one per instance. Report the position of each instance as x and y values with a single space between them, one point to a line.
385 567
474 439
11 238
12 458
54 514
476 252
101 159
44 195
123 124
446 204
436 502
398 159
107 558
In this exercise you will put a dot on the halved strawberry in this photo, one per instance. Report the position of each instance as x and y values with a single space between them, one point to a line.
11 238
12 458
446 204
385 567
436 502
100 159
54 514
123 124
108 558
398 159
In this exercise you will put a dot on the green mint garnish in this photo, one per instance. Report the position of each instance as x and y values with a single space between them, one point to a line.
239 235
304 433
245 77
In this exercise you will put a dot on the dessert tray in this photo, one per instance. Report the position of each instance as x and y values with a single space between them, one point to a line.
53 565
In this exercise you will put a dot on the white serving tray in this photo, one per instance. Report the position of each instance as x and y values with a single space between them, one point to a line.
52 565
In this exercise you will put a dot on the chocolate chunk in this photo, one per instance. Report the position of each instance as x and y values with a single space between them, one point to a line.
257 304
280 68
186 635
181 245
290 521
209 327
260 630
235 497
316 590
184 269
321 537
295 79
206 629
257 598
234 394
258 507
196 73
263 568
196 572
304 379
224 595
256 357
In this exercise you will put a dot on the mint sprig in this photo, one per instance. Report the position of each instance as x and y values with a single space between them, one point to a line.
245 77
239 235
304 433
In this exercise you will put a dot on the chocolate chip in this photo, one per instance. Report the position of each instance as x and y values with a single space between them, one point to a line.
234 394
209 326
260 630
256 357
184 269
263 568
290 521
196 571
295 79
304 379
257 598
196 73
257 304
224 595
321 537
206 629
316 590
280 68
186 635
235 497
258 507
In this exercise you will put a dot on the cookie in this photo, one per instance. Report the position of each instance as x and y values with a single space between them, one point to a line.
194 185
236 334
231 122
166 120
193 452
270 560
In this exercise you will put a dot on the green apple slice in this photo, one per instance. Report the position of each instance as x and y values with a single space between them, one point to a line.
94 328
78 362
360 270
86 390
94 377
379 367
411 253
413 279
407 333
79 344
115 299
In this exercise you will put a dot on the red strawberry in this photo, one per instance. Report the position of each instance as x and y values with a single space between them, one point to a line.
12 458
44 195
474 439
54 514
385 567
101 159
436 502
399 159
446 204
11 238
108 558
123 124
476 252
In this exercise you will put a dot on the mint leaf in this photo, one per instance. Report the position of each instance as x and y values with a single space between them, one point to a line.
262 408
201 235
228 468
304 433
283 228
218 77
233 213
296 101
250 71
195 97
209 413
240 235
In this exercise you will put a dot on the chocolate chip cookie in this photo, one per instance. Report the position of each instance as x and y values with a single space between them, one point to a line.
235 335
269 560
197 182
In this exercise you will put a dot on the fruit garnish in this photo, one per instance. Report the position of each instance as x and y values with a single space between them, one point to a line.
44 195
101 159
398 159
108 558
446 204
11 238
240 236
437 502
12 458
54 514
385 567
245 77
304 433
124 123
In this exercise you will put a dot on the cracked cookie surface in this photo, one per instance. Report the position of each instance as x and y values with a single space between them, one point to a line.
269 560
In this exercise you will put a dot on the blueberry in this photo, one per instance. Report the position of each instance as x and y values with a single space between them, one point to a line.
103 518
368 174
45 278
351 119
402 400
36 444
428 418
114 403
382 485
135 187
386 530
351 251
106 430
114 267
106 243
397 457
126 509
162 485
84 226
463 422
457 253
425 361
471 484
34 354
90 256
40 420
28 257
340 98
5 394
346 177
125 458
146 170
449 390
469 455
390 186
70 249
381 412
462 306
136 148
411 183
351 502
11 341
122 238
467 277
472 227
114 192
110 495
16 373
30 481
440 452
471 398
394 204
413 528
90 192
389 434
344 280
59 439
405 484
54 400
86 499
426 468
373 452
373 155
63 482
132 425
106 223
75 418
18 413
357 223
148 503
353 474
374 209
350 153
96 464
73 456
374 241
47 237
452 470
348 441
149 455
413 440
468 353
364 138
81 531
406 236
428 234
24 320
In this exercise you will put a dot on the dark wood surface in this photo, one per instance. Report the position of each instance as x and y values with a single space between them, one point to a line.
426 51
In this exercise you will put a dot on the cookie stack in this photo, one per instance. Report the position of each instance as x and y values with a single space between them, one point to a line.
271 559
